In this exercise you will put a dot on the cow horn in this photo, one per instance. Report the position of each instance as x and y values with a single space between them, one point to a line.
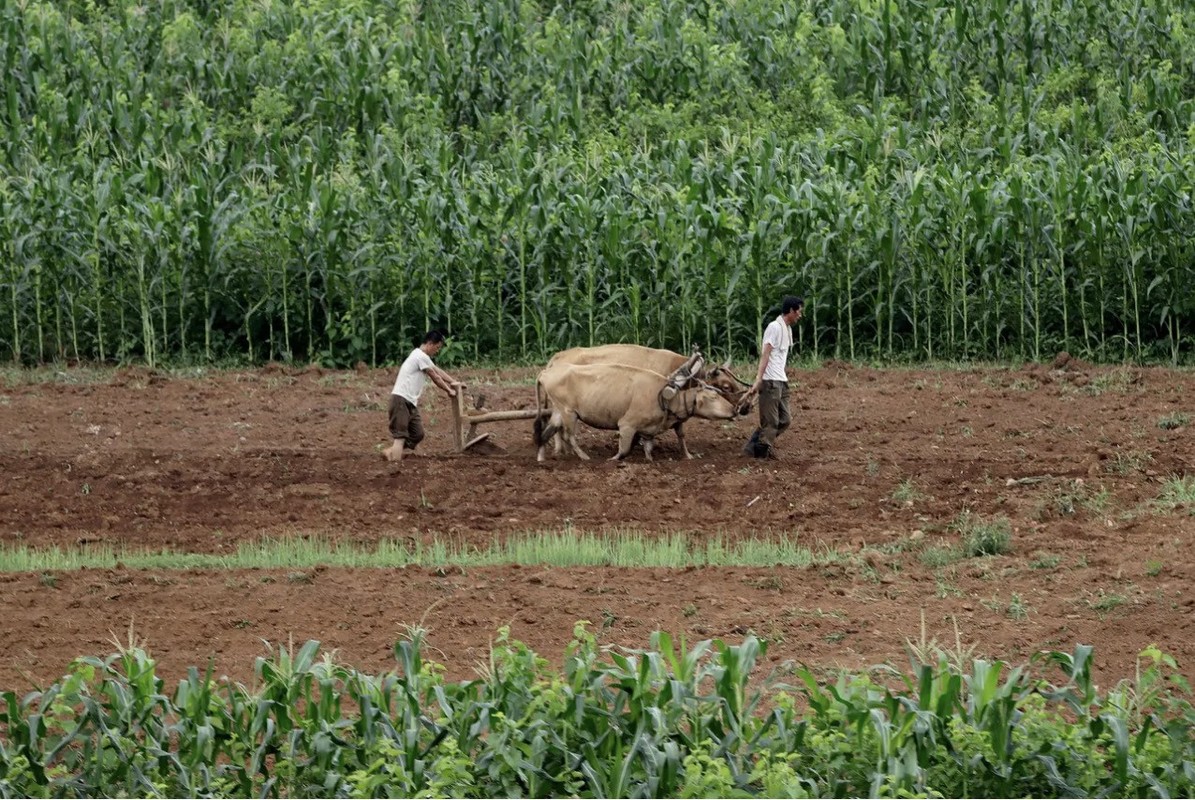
677 380
685 371
739 380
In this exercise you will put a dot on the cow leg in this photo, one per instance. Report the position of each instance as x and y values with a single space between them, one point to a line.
558 442
648 444
570 436
551 431
626 440
680 437
557 439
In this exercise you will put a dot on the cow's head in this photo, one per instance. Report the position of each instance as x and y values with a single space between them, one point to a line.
709 403
728 385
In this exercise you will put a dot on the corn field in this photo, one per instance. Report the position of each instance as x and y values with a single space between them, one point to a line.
666 721
206 180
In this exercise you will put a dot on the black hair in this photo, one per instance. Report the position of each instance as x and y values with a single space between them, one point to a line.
790 303
433 337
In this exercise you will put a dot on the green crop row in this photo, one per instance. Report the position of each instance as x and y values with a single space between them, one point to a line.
666 721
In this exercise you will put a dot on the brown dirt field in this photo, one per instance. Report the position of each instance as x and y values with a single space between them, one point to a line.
1073 455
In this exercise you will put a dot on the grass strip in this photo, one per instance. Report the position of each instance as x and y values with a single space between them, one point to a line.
548 548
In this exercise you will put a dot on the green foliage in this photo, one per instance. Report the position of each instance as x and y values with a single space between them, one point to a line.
1175 420
667 721
906 492
1069 497
936 556
983 537
288 179
565 547
1045 561
1178 492
1129 461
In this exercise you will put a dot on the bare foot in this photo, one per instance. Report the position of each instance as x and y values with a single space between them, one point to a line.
389 455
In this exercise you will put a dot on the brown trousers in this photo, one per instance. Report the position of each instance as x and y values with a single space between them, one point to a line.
774 417
405 422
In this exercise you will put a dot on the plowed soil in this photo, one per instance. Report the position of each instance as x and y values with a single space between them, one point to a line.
880 465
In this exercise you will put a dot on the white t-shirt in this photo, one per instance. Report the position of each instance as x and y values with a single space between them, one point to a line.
780 336
412 376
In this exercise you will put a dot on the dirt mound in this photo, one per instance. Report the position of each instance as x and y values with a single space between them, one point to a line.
1065 362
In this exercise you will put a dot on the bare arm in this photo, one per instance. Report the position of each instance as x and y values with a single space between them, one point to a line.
441 378
764 355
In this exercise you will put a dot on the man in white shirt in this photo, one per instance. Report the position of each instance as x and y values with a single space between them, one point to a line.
406 426
771 380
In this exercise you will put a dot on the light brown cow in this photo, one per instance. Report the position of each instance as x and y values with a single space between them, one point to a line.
665 362
631 400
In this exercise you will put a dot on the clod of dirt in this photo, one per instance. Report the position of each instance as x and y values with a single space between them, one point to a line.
1065 362
129 375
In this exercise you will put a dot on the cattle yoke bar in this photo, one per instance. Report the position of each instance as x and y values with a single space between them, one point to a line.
460 418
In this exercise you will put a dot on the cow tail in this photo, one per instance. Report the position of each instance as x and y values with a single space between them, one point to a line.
537 429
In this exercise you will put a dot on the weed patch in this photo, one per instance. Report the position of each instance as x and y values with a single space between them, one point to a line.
937 557
1177 492
1045 561
1172 421
906 492
1129 462
983 537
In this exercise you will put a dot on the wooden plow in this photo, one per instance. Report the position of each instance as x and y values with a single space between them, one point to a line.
464 439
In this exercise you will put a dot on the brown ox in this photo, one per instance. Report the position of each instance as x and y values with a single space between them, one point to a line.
665 362
631 400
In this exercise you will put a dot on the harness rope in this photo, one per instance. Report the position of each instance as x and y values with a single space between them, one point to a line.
689 412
